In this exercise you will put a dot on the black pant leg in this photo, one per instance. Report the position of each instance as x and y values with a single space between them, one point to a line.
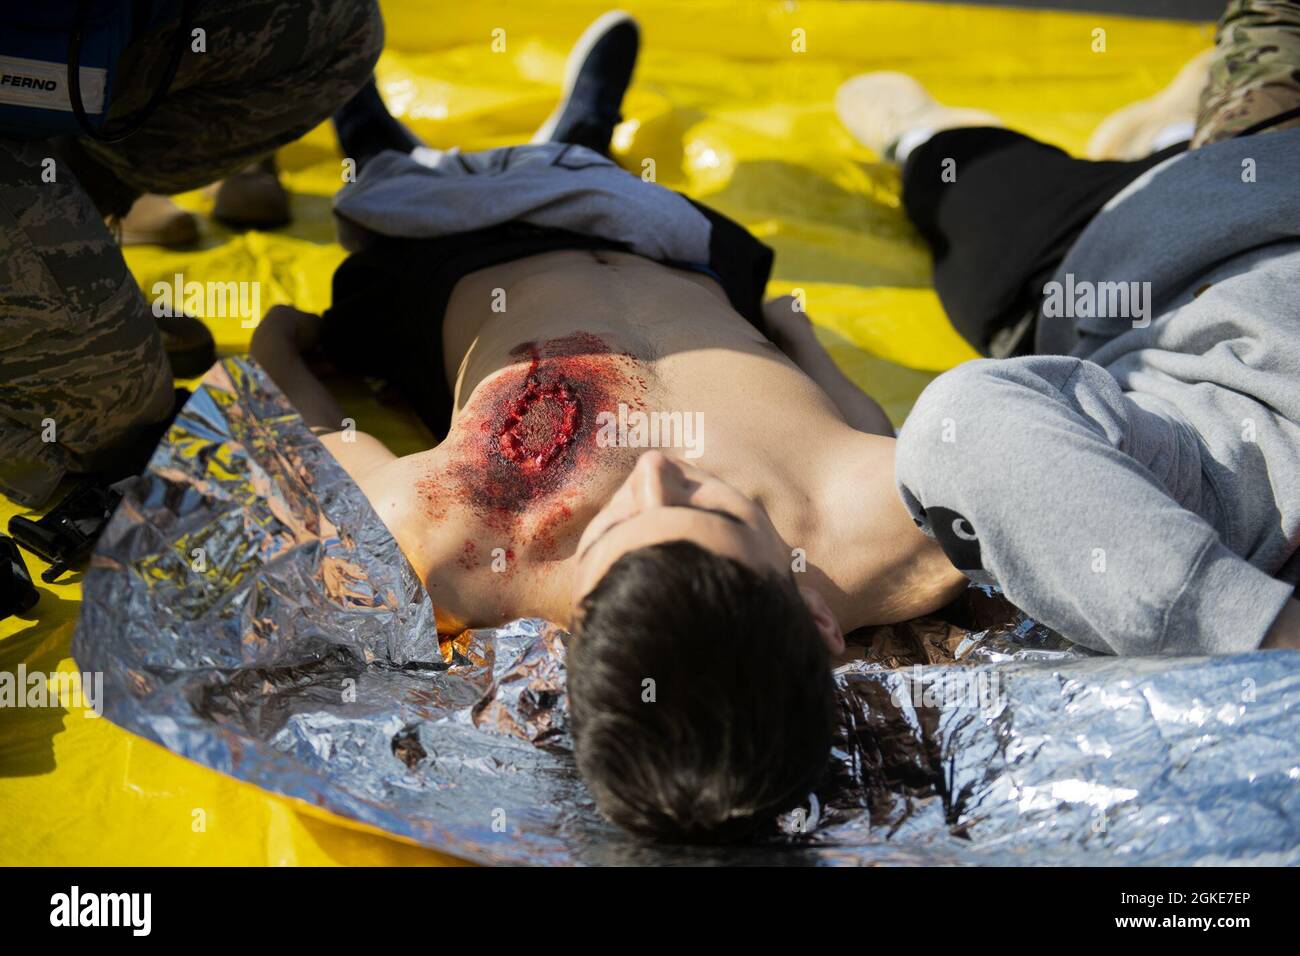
999 211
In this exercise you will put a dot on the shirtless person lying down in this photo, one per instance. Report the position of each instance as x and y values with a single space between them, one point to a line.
524 299
523 511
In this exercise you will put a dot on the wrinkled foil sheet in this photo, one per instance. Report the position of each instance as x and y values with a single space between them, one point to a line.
249 611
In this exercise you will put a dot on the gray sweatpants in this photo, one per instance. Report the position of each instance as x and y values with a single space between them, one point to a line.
1140 494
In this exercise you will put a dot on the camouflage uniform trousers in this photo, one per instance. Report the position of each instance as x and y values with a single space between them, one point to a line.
1254 70
81 361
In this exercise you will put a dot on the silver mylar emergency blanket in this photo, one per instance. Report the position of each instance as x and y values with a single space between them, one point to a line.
250 611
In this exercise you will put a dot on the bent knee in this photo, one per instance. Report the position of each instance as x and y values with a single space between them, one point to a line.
983 414
959 397
88 389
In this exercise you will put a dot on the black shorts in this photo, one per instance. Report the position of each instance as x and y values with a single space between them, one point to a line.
390 298
1000 229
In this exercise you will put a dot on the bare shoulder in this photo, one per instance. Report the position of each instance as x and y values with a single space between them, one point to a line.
360 454
390 483
400 490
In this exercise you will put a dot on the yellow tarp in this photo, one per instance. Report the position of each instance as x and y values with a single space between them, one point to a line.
732 103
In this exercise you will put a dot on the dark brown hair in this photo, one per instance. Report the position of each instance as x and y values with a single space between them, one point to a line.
701 695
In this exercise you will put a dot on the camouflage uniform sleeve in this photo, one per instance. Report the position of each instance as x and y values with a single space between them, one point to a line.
1254 70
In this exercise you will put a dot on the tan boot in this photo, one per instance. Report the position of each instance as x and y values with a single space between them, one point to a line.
157 221
878 108
1134 131
252 198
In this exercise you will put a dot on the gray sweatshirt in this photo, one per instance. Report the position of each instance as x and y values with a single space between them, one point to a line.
1137 485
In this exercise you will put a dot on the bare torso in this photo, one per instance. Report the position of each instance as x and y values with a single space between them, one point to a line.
537 349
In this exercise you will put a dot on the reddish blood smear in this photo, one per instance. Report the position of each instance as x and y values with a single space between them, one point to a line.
541 424
529 436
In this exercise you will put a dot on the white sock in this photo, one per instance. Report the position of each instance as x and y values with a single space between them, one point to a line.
427 156
913 138
1178 132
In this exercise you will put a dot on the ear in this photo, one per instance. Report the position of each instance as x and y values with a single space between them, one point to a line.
827 626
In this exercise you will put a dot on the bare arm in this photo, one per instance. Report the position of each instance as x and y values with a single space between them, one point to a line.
279 342
281 338
793 333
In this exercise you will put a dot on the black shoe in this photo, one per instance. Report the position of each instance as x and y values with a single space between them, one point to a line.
188 344
17 593
365 128
598 74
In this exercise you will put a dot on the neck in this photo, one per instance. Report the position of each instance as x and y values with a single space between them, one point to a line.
878 567
549 596
865 556
486 576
